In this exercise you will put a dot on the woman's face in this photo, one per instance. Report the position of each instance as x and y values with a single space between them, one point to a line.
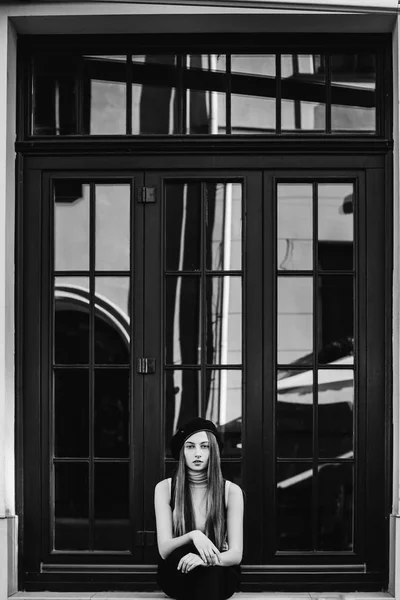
197 451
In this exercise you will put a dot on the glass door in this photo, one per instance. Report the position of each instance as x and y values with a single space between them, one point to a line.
249 297
91 401
143 325
205 341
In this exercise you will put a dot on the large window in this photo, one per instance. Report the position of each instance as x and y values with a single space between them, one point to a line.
203 231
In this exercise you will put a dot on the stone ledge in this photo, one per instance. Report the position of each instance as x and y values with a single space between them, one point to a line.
238 596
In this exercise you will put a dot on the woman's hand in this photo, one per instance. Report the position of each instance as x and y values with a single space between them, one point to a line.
209 553
190 561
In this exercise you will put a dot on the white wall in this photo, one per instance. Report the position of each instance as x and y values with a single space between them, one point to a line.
7 203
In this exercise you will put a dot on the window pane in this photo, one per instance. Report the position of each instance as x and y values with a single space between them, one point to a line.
353 92
294 506
295 320
71 225
224 327
303 92
253 93
295 226
294 415
336 513
205 81
112 529
224 407
71 507
104 89
182 226
112 334
182 400
113 227
71 320
335 413
335 226
223 226
182 326
233 472
55 95
71 412
154 96
111 413
336 319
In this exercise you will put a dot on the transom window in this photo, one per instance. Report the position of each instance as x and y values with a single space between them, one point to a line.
206 94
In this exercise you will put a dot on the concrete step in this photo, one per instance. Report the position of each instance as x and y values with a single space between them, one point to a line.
238 596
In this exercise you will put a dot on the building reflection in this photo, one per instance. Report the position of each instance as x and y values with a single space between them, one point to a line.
204 271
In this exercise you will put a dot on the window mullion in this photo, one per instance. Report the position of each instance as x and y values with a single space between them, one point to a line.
129 94
278 101
328 91
315 499
92 258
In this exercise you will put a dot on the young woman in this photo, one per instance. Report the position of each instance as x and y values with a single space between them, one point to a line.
199 519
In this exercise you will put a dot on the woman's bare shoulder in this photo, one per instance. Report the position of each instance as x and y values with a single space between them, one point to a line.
234 490
163 486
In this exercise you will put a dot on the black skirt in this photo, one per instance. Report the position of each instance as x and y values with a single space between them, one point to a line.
212 583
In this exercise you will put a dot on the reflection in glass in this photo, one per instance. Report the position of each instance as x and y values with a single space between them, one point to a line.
294 506
253 94
111 507
182 399
223 226
205 82
303 92
154 97
224 329
112 227
294 415
295 226
335 412
295 319
71 225
112 320
336 318
104 95
71 320
55 95
111 413
335 226
182 226
71 412
224 406
353 92
182 320
190 93
71 506
335 512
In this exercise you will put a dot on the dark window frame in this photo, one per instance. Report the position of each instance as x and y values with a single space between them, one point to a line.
71 47
370 154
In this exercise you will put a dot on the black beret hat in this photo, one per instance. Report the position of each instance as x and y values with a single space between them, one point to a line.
189 429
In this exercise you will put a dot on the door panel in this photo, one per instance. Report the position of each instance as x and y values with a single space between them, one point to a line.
197 329
92 411
314 368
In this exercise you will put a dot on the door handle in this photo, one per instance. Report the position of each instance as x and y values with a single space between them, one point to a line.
146 366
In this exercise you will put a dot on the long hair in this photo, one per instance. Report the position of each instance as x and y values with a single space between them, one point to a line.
183 518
